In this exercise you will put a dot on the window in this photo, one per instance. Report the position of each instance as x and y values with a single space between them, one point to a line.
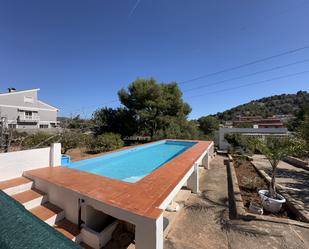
43 126
28 115
12 126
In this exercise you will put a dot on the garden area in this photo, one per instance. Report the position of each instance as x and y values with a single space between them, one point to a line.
250 182
256 161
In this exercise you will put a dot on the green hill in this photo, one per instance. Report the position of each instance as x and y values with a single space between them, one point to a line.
284 104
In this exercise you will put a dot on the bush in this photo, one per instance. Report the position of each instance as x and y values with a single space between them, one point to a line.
208 124
179 130
252 184
37 140
70 140
106 142
240 144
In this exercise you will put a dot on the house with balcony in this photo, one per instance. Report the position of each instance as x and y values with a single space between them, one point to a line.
258 122
23 110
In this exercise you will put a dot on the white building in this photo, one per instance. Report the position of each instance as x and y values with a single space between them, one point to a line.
23 110
224 145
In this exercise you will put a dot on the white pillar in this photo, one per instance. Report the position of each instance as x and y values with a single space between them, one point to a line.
211 149
193 180
205 161
149 233
55 154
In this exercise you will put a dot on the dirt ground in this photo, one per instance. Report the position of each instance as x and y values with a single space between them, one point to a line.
250 182
77 154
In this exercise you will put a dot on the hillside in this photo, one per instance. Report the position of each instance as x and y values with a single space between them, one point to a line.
283 104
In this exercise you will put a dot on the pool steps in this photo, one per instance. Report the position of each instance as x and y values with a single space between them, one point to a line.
22 190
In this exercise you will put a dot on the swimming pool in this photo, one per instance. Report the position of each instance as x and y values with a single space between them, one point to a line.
131 165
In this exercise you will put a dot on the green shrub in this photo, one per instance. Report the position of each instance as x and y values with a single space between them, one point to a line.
241 144
179 130
252 184
37 140
106 142
70 140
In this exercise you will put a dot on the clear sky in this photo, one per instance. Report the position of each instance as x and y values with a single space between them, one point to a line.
80 53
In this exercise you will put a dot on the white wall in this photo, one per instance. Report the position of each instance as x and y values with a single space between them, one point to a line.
149 233
223 144
13 164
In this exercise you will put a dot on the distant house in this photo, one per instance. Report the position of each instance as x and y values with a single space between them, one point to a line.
23 110
258 122
270 123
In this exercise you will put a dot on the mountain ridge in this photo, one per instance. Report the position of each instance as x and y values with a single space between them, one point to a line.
283 104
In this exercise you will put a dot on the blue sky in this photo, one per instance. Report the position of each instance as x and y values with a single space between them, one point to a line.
80 53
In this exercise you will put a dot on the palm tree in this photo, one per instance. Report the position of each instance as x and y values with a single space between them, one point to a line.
274 149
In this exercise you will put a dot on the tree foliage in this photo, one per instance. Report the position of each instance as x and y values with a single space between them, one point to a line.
118 120
208 124
304 129
179 129
38 140
241 144
274 149
71 139
75 123
157 108
303 135
106 142
283 104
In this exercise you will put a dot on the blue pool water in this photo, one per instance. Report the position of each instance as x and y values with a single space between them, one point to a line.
133 164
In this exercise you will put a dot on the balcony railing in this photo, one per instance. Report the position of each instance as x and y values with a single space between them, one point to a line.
27 118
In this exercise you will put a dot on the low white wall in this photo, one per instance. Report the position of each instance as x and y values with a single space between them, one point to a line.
13 164
224 145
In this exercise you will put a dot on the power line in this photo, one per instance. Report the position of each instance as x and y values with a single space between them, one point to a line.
90 106
244 65
223 71
222 90
246 75
250 84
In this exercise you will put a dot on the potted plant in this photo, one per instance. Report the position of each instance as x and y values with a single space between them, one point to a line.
274 149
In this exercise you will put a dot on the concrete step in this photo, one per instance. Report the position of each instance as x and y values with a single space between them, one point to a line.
84 245
31 198
48 213
68 229
16 185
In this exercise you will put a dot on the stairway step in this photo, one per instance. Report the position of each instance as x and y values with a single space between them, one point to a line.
31 198
48 212
68 229
84 245
16 185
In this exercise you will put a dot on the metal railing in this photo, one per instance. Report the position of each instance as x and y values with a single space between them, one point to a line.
28 118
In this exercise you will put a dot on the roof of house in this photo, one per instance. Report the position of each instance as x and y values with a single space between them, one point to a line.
20 229
20 91
40 104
